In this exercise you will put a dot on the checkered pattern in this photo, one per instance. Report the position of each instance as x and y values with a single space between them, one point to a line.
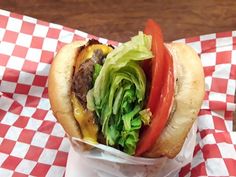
32 143
215 153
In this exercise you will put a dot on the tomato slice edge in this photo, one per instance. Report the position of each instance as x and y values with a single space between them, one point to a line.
161 115
157 64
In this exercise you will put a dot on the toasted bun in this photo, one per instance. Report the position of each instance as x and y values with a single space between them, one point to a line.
188 100
59 87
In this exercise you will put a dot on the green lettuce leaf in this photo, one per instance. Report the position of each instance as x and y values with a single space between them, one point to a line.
97 69
119 92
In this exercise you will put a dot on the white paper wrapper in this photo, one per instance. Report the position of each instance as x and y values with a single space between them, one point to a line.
104 161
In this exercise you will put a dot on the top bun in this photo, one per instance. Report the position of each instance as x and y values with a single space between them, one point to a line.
189 94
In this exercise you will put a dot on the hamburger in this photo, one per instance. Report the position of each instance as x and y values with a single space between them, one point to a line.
141 97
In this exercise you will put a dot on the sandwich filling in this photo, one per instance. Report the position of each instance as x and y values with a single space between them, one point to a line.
108 92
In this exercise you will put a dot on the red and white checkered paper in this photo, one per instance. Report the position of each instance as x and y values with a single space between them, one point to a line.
32 143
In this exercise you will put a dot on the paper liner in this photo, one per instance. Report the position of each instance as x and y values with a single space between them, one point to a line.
103 160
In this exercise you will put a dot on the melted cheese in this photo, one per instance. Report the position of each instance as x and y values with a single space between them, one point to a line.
87 53
105 50
84 117
86 121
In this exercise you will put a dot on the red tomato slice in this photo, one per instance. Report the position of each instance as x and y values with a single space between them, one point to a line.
155 74
161 114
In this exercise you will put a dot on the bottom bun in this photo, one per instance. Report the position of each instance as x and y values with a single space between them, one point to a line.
188 100
59 87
